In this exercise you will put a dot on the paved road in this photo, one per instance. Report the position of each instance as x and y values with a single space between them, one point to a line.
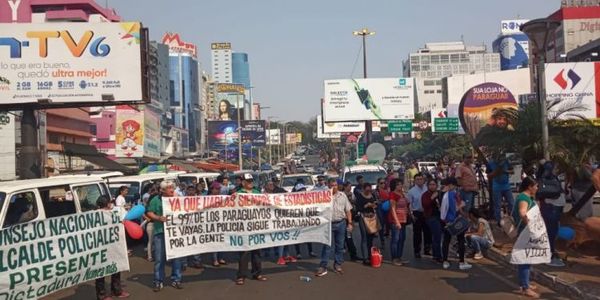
420 279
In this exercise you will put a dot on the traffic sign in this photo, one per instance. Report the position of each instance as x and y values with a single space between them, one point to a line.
445 125
402 126
361 149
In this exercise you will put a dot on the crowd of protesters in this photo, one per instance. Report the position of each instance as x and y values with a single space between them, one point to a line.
439 204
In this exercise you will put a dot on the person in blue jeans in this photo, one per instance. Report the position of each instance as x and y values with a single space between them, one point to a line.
525 201
552 209
397 218
155 213
431 210
499 173
480 236
341 220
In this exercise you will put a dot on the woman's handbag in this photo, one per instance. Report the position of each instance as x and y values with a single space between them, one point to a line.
372 225
458 226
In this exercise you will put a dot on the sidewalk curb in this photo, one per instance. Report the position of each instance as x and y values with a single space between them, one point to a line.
551 281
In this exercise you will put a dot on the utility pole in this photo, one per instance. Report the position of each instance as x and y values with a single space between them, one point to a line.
29 161
364 33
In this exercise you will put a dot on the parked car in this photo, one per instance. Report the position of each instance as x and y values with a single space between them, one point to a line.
37 199
194 178
289 181
139 184
370 174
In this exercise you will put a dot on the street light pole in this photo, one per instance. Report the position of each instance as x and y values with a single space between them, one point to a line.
239 128
539 32
363 34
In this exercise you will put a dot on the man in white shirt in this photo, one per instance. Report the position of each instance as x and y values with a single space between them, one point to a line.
420 228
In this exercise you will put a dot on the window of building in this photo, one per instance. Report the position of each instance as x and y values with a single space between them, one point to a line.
435 59
425 59
439 91
444 58
172 91
22 207
454 58
53 138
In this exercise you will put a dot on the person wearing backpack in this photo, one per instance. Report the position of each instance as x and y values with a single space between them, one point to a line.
450 212
552 199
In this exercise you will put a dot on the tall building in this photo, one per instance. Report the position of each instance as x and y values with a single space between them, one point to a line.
184 98
512 45
438 60
221 58
65 125
241 69
579 25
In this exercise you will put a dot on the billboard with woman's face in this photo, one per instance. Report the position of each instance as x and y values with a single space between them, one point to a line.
225 111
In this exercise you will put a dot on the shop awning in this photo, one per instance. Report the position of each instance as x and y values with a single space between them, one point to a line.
90 154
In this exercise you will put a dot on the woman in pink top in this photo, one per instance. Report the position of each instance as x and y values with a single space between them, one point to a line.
397 218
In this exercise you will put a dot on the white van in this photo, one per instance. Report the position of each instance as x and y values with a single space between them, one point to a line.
138 185
37 199
194 178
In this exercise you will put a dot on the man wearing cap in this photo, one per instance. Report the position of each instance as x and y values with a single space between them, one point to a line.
321 186
155 213
254 255
341 220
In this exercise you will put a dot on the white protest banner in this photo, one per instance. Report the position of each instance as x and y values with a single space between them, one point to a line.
532 245
245 222
42 257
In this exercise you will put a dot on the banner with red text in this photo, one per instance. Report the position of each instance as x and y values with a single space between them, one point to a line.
245 222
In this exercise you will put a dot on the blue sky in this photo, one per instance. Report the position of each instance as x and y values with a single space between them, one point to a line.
294 45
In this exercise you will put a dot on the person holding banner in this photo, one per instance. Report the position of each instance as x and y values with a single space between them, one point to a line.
155 213
525 201
218 260
115 279
252 256
341 221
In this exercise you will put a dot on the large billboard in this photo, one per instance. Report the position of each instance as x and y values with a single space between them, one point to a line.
487 111
225 134
320 130
71 63
274 136
177 45
254 132
368 99
130 132
513 50
511 26
152 138
575 84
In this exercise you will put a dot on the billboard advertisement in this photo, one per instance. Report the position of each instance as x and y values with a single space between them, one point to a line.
224 134
320 130
177 45
152 136
293 138
254 132
514 51
129 133
371 99
341 127
487 111
71 63
511 26
575 84
274 136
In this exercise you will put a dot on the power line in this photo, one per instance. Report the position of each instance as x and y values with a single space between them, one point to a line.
356 60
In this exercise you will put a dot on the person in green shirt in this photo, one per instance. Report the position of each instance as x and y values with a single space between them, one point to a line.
525 201
254 255
155 213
